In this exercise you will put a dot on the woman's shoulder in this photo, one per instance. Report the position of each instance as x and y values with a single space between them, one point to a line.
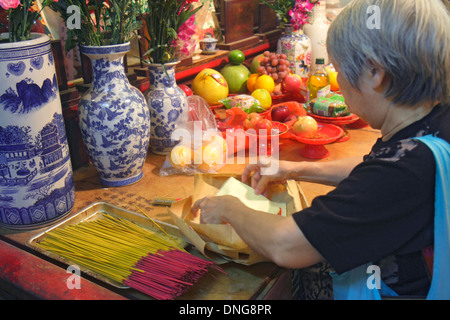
403 143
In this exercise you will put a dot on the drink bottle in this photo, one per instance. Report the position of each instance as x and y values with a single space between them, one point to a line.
318 82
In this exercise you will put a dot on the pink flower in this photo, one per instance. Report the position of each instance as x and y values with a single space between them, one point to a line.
9 4
299 14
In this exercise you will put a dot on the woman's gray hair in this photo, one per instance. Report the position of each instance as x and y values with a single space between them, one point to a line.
409 39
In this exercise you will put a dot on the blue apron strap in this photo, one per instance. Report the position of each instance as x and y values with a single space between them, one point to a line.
440 283
352 285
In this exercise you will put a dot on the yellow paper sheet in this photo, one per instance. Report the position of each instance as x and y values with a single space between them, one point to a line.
248 197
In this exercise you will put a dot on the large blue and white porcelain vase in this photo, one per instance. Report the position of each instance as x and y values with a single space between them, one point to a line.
36 178
113 118
166 102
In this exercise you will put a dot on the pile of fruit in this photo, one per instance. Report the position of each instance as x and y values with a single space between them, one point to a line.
275 65
258 123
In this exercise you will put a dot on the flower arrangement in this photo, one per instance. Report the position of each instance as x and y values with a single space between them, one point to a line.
293 12
102 23
299 14
165 22
21 17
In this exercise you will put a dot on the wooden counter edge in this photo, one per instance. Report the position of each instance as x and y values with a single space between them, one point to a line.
36 278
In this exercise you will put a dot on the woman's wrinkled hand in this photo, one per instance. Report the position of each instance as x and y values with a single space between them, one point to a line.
259 181
213 210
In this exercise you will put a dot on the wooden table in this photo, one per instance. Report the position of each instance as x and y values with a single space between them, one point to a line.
25 273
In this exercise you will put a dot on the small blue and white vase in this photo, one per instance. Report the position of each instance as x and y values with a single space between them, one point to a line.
36 178
113 118
166 102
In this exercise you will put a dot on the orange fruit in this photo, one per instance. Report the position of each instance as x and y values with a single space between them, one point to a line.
180 156
212 153
334 85
265 82
264 98
251 82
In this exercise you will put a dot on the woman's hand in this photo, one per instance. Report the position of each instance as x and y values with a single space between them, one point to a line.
260 182
213 210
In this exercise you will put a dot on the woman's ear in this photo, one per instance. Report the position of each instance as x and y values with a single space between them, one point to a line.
377 76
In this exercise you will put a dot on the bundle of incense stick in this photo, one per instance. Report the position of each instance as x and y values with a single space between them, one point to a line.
150 261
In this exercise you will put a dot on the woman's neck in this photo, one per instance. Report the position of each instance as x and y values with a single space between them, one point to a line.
400 116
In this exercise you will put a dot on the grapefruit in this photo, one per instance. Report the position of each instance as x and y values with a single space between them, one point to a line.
305 126
264 98
210 85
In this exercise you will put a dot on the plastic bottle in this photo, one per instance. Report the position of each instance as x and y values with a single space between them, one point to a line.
318 82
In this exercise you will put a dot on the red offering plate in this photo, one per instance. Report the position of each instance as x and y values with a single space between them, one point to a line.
315 146
338 121
264 141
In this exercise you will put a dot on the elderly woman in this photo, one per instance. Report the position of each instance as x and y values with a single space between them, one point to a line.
394 75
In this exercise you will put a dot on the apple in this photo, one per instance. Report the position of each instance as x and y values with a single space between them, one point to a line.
236 77
290 118
264 126
291 83
305 126
280 113
186 89
251 120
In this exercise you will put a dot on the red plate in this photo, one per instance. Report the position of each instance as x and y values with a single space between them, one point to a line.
281 127
340 121
314 146
264 142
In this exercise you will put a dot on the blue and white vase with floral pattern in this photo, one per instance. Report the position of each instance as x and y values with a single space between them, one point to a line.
36 178
166 102
113 118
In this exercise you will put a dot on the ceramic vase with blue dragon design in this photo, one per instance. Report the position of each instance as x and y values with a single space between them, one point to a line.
36 178
166 102
114 118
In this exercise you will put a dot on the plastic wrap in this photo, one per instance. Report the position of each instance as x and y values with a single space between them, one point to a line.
200 147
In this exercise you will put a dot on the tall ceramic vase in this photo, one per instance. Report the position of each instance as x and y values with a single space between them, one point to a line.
317 30
297 47
166 102
113 118
36 178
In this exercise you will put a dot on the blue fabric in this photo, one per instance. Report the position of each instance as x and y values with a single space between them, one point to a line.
352 285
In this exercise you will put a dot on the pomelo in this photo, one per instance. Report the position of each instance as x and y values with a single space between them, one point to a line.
210 85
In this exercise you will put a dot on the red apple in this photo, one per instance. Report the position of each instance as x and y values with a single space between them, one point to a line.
251 120
305 126
264 127
186 89
290 118
280 113
291 83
